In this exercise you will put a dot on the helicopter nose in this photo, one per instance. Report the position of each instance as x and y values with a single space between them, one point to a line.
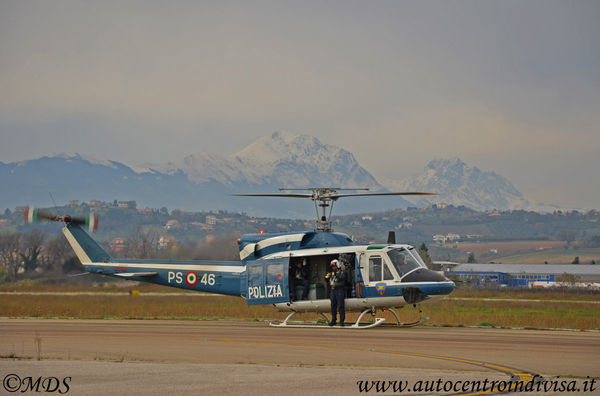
438 284
425 275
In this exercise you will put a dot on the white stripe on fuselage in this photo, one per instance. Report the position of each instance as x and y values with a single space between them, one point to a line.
265 243
247 250
179 267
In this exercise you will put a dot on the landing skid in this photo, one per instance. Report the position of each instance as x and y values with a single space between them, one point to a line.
422 319
356 325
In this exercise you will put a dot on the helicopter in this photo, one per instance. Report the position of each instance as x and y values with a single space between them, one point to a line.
382 277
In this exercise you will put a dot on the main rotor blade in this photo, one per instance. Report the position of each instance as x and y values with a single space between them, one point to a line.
335 196
323 188
276 195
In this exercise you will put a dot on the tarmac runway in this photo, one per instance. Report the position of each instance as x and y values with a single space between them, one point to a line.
190 357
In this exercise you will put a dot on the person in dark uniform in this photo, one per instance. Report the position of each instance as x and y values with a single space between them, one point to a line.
337 279
299 276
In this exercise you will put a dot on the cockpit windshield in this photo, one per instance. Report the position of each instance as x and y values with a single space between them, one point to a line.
405 260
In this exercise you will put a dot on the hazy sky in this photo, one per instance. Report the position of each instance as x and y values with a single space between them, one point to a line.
509 86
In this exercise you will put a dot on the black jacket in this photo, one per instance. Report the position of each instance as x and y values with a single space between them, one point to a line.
300 273
337 279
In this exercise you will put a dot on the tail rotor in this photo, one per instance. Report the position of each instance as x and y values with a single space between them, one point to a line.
33 215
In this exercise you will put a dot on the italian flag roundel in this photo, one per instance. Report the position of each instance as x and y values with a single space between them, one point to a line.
191 278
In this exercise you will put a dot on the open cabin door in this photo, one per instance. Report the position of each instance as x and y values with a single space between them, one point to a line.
267 281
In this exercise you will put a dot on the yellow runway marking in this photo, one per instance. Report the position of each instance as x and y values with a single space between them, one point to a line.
523 376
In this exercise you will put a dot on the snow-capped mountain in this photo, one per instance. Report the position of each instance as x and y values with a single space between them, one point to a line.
460 184
283 159
199 181
73 176
207 181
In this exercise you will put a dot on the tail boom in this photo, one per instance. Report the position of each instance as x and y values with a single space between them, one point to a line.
222 277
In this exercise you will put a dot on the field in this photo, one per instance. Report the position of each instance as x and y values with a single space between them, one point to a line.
528 252
559 256
543 309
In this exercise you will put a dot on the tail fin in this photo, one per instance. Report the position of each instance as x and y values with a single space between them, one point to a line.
87 250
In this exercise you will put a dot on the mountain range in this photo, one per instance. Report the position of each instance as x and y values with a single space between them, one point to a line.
206 181
460 184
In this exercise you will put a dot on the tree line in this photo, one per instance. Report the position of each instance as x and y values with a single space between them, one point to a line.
24 254
37 253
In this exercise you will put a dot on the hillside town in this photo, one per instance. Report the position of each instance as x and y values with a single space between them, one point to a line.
450 234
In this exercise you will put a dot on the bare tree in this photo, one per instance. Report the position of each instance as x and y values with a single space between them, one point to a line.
57 252
143 243
10 257
218 248
567 280
567 236
31 249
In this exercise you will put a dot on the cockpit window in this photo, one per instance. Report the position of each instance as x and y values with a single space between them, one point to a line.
404 261
387 273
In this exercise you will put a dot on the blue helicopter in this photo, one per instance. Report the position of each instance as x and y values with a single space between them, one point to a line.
381 276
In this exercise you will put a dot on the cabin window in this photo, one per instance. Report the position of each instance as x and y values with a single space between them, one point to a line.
255 274
379 270
274 273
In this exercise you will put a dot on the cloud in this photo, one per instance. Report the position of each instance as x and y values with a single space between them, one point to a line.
397 83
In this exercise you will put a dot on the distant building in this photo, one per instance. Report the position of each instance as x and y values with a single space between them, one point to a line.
95 202
73 202
21 209
529 275
127 204
367 218
211 220
452 237
148 211
439 238
118 245
360 238
172 225
165 241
